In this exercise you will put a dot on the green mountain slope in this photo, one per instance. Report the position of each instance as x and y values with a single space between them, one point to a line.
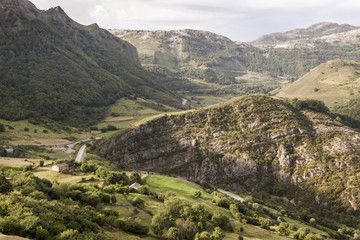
204 62
200 62
54 67
254 143
336 83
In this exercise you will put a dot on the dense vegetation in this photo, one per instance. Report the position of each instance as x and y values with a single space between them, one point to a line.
53 67
41 209
298 145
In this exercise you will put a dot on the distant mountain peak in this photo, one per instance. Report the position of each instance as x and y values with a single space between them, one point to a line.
321 29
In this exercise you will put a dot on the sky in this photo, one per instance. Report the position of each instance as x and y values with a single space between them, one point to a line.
239 20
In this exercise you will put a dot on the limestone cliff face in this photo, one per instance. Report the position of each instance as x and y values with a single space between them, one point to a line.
255 135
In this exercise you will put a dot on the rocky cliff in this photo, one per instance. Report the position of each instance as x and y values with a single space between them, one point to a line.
239 142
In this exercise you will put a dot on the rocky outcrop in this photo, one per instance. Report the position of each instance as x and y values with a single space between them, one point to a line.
253 136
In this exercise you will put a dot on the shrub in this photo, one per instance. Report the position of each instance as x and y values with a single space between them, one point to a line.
143 190
197 194
137 202
2 127
5 184
28 168
174 233
131 226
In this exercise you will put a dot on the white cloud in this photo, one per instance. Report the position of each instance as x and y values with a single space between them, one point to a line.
237 19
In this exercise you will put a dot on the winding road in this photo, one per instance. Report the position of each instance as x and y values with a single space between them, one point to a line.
81 154
234 196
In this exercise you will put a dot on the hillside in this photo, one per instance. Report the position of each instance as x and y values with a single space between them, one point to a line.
200 62
249 142
55 68
93 200
336 83
290 38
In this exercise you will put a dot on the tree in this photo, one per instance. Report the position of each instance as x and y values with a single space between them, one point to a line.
41 163
3 152
135 177
197 194
157 224
221 221
111 128
143 190
202 236
217 234
174 233
2 127
138 202
5 184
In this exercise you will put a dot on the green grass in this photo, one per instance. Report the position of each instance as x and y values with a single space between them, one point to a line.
55 155
129 112
179 186
46 172
18 135
334 83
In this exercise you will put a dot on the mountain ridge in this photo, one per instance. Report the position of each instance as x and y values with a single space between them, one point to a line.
240 142
69 72
314 31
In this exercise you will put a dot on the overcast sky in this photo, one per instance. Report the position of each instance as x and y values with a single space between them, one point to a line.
240 20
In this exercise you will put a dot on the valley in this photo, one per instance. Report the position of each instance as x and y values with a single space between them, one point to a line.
188 134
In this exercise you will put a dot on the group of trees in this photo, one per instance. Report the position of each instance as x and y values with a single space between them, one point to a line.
40 209
180 220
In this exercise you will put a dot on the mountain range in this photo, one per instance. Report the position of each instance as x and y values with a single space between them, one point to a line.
318 32
55 68
201 62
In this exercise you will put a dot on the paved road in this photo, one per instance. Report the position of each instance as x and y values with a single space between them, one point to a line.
81 153
234 196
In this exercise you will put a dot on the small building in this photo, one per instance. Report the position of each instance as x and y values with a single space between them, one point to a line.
60 167
135 185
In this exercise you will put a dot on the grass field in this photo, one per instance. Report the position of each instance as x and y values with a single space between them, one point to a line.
34 134
334 83
126 112
176 185
46 172
18 162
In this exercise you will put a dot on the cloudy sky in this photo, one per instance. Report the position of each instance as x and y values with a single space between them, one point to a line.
240 20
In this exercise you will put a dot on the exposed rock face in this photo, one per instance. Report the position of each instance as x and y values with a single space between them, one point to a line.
253 136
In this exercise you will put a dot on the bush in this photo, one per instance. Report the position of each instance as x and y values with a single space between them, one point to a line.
2 127
28 168
137 202
41 163
111 128
143 190
131 226
174 233
5 184
197 194
3 152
